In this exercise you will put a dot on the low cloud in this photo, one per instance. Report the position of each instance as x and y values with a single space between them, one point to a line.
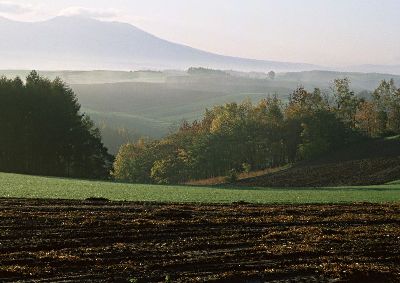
39 12
9 8
90 13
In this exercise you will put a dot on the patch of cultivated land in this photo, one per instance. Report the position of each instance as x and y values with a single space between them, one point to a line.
370 162
84 241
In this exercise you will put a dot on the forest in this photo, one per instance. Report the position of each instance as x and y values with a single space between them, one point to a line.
242 137
44 133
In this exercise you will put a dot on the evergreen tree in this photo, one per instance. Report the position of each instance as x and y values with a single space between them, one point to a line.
43 132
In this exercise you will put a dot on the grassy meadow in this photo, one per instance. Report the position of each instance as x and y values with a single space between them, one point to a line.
24 186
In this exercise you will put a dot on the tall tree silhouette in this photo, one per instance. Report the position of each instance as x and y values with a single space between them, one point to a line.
43 131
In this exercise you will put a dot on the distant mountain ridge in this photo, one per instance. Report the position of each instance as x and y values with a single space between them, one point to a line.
368 68
79 43
84 43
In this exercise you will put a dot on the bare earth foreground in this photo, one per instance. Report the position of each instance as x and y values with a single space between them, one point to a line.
72 241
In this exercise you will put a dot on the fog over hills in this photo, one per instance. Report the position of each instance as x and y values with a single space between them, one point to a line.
83 43
368 68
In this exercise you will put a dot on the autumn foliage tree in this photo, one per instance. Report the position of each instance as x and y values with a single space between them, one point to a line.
381 114
237 136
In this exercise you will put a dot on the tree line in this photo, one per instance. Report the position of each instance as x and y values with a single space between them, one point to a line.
42 131
242 137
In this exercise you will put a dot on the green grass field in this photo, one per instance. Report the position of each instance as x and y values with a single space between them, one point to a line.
24 186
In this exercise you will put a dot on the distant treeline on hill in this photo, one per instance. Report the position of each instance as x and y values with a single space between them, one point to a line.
243 137
44 133
214 72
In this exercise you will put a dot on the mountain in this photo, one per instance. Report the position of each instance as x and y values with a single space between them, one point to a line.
84 43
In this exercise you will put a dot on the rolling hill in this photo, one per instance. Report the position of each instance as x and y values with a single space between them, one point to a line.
369 162
149 103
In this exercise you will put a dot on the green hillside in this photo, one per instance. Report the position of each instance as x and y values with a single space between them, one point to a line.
152 103
152 108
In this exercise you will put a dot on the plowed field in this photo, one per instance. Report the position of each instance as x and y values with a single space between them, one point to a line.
101 241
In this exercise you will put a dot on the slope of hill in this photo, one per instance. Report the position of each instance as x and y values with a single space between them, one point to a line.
152 108
84 43
367 163
149 103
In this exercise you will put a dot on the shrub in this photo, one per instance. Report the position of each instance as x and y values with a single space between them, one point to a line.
232 176
246 167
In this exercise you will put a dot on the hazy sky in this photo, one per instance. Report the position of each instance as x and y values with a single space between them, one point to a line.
325 32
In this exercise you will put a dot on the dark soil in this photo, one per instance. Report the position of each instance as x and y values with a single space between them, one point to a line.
366 163
86 241
349 173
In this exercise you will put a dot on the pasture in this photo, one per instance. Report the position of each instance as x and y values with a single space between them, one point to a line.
25 186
